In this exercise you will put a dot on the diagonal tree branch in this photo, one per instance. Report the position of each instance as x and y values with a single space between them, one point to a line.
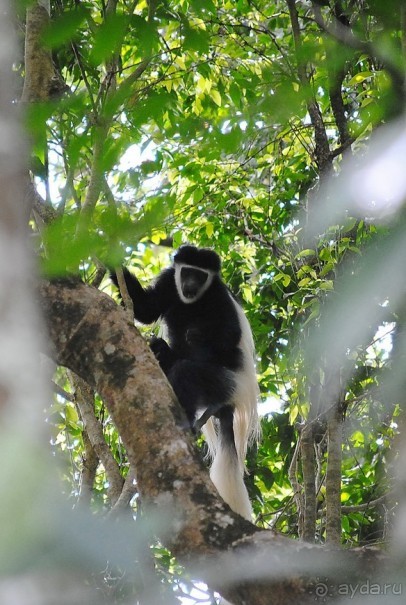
92 336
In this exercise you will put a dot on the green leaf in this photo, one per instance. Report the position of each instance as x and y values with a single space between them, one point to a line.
345 524
216 96
195 39
293 413
286 279
147 35
325 254
202 8
66 249
108 38
209 229
326 285
64 27
358 438
230 141
198 194
247 293
305 253
235 93
360 77
345 496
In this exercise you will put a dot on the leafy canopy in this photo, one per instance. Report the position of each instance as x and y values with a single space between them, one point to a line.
213 122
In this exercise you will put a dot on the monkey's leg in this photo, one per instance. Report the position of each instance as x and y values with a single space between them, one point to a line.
212 410
201 386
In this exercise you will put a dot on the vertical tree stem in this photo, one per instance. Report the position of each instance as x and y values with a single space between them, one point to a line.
39 69
309 483
322 147
333 477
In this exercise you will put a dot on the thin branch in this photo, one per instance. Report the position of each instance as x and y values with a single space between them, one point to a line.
355 508
297 488
336 77
333 476
322 148
309 483
44 213
85 404
127 493
90 462
62 393
79 62
96 175
128 303
84 77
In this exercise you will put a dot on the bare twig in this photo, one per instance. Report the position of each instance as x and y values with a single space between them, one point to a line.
85 403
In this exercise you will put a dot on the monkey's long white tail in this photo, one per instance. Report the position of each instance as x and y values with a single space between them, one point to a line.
228 466
226 474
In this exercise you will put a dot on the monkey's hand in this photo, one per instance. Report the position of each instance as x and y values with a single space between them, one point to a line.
163 353
158 346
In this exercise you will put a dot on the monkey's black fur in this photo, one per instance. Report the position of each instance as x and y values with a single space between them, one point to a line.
203 353
208 359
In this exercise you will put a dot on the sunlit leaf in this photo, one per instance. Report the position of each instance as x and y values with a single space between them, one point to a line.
215 95
360 77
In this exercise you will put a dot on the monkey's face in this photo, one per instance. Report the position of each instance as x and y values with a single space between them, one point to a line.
192 282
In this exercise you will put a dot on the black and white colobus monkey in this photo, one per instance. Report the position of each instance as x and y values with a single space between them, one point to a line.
209 360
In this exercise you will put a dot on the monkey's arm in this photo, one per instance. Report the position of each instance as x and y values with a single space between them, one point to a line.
152 302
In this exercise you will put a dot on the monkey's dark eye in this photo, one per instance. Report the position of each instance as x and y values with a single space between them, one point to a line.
192 280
